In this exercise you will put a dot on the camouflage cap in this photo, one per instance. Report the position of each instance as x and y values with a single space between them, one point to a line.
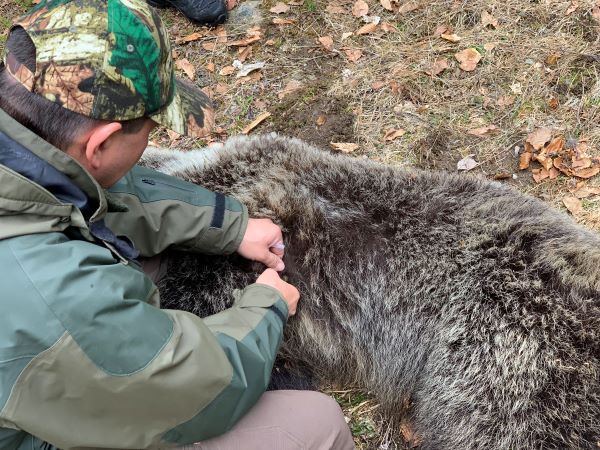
109 60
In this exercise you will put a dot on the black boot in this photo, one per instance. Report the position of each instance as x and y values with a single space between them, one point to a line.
210 12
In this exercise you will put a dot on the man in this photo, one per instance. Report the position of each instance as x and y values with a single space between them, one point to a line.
209 12
87 359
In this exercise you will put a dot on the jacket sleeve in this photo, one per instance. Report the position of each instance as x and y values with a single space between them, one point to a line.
164 211
124 374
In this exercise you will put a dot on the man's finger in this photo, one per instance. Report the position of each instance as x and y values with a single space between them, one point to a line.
273 261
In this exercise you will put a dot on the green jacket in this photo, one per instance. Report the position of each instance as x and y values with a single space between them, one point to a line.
87 358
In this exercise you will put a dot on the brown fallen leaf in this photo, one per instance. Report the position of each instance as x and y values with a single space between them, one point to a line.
393 133
554 173
187 67
280 8
366 29
210 67
483 131
244 42
437 67
326 42
353 54
572 7
553 103
524 160
291 87
387 4
408 7
586 191
451 37
388 27
468 59
502 176
488 46
573 204
588 172
296 2
556 145
321 120
488 19
344 147
256 122
244 53
346 35
278 21
505 100
539 137
376 85
191 37
360 8
442 29
552 59
545 162
540 174
227 70
209 46
596 16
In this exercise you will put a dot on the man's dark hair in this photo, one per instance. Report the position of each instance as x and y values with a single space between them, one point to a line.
51 122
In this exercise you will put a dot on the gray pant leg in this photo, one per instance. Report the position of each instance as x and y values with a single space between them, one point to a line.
286 420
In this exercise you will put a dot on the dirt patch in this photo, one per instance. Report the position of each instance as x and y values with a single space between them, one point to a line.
315 118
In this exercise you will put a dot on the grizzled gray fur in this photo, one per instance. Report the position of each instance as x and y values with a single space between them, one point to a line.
469 308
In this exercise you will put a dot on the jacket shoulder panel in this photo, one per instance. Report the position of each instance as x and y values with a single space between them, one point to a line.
99 301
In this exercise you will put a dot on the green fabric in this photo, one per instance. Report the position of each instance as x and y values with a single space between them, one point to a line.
164 211
141 70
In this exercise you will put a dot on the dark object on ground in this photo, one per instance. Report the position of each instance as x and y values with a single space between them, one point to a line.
465 307
209 12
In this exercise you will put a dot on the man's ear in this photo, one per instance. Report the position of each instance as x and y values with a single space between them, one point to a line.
96 143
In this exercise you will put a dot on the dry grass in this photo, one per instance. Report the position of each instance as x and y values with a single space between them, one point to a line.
436 111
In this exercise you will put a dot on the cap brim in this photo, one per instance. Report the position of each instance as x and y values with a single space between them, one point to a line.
190 113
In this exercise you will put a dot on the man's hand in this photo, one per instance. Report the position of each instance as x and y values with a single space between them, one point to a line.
289 293
263 242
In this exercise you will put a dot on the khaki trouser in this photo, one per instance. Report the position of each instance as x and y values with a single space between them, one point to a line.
280 420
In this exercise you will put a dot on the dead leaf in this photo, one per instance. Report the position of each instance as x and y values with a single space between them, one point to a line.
442 29
296 2
209 46
524 160
191 37
545 162
408 7
252 125
387 4
227 70
539 137
346 35
289 88
393 133
468 59
502 176
586 191
587 172
488 46
245 42
327 42
556 145
539 174
554 173
376 85
173 136
360 8
353 54
488 19
466 164
552 59
278 21
321 120
505 100
572 8
596 15
366 29
454 38
231 4
210 67
280 8
483 131
187 67
246 69
553 103
437 67
344 147
244 53
573 204
388 27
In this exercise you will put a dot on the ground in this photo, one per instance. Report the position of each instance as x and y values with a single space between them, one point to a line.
394 88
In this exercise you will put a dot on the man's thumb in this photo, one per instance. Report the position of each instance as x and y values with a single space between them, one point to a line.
274 262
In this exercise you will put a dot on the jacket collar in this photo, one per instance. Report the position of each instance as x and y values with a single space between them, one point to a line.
58 162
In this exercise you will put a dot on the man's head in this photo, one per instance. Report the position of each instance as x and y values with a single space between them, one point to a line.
92 77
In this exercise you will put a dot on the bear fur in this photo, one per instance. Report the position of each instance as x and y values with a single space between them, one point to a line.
462 305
